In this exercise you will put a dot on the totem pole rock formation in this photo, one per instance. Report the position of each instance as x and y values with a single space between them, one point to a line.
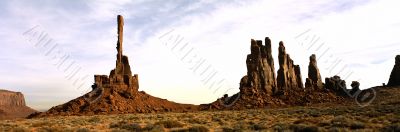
121 77
12 105
394 79
117 93
289 76
314 80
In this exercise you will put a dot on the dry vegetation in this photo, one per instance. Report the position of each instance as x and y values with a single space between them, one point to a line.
384 115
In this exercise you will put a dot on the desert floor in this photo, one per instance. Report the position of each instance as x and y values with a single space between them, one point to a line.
382 115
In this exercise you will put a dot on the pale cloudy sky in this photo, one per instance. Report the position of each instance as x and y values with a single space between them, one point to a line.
356 39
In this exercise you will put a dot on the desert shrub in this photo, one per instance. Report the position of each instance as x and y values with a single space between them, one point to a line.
337 129
241 126
153 128
127 126
227 129
217 119
373 114
94 120
391 128
198 129
82 130
303 128
340 121
324 123
357 125
197 121
42 124
51 129
170 124
257 127
20 129
281 127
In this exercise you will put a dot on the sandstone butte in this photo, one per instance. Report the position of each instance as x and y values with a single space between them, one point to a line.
12 105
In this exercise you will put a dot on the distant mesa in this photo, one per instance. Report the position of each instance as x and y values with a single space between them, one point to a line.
394 79
117 93
12 105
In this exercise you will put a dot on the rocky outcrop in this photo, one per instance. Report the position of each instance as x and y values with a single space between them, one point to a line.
314 80
394 79
336 84
289 76
12 105
116 93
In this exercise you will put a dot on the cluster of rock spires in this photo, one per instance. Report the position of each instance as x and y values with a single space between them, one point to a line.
116 93
12 105
259 88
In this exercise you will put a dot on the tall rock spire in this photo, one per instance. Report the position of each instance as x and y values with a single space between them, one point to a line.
121 76
394 79
120 21
314 77
289 76
260 77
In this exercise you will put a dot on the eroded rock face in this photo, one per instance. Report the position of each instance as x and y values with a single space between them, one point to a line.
394 79
8 98
117 93
289 76
12 105
314 80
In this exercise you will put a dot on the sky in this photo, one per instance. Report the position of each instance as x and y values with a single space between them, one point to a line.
188 51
